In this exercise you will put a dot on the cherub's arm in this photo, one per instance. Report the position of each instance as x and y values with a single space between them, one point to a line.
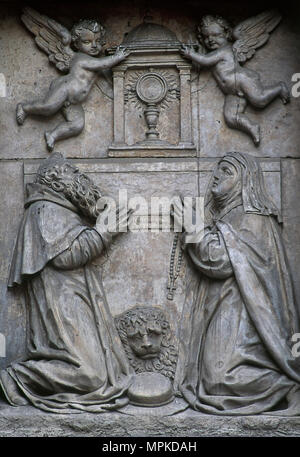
102 63
206 60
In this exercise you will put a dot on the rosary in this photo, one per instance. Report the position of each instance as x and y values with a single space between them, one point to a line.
175 265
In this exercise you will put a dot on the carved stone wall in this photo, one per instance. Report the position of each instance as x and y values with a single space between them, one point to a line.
136 271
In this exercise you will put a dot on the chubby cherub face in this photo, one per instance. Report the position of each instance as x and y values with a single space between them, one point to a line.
214 36
89 42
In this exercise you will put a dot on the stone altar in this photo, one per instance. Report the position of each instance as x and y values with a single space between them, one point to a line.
145 269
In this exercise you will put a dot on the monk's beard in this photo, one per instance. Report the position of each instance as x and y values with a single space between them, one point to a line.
84 194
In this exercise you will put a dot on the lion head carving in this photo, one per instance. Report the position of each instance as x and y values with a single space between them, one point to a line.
148 340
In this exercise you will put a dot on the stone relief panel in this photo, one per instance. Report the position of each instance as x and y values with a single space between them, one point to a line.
154 128
207 99
66 247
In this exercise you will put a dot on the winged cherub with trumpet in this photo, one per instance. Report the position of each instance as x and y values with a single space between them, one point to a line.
239 84
82 65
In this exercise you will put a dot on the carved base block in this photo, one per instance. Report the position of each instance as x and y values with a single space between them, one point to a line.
153 149
138 421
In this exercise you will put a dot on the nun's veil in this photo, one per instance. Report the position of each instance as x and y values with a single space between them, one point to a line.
254 196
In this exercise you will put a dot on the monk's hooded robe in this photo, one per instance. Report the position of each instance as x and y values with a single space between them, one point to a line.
239 315
75 357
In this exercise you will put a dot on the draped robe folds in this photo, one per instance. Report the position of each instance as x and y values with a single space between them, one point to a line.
238 320
75 360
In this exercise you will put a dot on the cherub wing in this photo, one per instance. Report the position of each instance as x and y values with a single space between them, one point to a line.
53 38
254 33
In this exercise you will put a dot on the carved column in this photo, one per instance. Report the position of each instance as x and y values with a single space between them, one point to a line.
119 116
185 106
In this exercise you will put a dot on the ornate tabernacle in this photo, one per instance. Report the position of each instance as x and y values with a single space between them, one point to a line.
153 83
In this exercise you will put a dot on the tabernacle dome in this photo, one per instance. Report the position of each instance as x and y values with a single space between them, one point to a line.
150 34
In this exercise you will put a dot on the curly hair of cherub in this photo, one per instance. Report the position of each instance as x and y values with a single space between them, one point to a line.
209 19
87 24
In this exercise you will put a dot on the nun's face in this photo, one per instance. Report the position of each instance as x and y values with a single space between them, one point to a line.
226 178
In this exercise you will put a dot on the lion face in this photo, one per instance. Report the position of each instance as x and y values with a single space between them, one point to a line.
145 339
148 340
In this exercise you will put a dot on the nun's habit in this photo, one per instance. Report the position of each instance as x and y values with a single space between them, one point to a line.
239 314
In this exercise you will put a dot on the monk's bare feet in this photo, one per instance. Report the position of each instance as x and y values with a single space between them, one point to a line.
256 135
21 115
50 141
285 93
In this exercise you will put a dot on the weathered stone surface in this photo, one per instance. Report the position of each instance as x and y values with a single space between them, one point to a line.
12 309
291 218
136 269
28 421
277 60
144 267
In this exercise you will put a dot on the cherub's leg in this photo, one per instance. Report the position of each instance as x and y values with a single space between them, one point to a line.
74 116
52 103
234 108
259 95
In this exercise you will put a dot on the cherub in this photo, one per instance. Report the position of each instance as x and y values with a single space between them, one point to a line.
66 93
240 85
